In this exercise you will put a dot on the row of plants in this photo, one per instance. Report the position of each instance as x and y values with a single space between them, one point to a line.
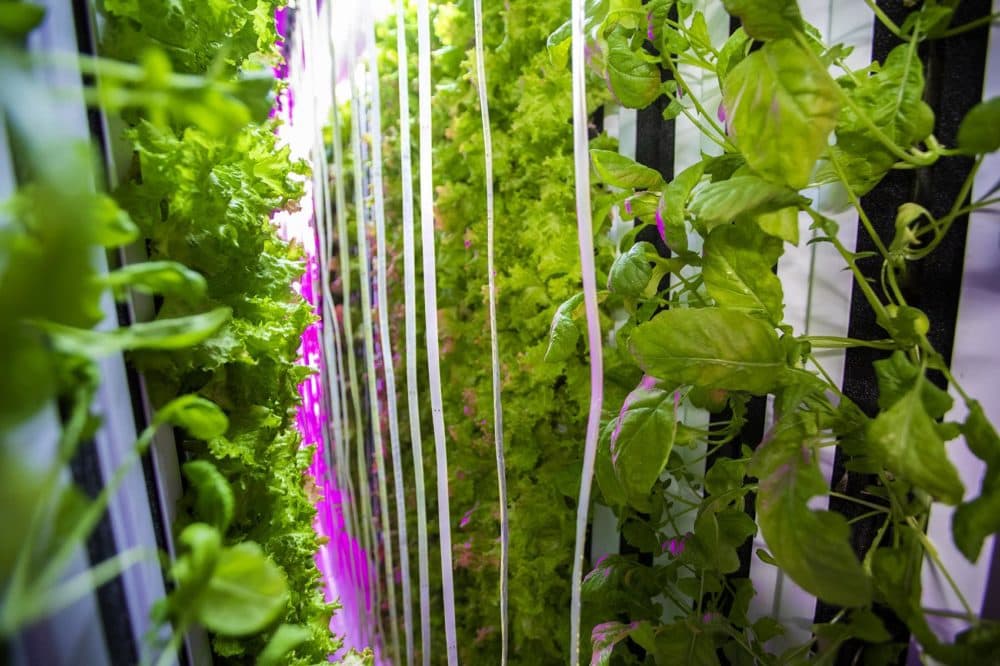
55 225
713 335
544 402
203 185
219 358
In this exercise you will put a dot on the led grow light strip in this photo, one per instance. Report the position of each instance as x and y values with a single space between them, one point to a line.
382 292
585 233
431 325
410 290
484 108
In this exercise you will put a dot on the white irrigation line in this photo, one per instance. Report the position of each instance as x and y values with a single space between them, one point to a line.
361 459
585 233
412 378
484 108
431 325
382 292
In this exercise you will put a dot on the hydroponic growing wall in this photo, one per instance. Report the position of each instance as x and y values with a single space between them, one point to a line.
499 332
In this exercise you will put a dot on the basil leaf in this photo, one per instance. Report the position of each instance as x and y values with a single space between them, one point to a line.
716 538
675 198
722 201
731 54
642 438
634 81
783 106
766 19
631 271
564 332
738 273
977 519
710 347
812 547
892 99
783 224
980 128
909 442
605 636
620 171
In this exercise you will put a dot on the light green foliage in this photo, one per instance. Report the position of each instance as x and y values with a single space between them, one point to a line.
204 199
717 336
783 106
738 270
810 546
710 347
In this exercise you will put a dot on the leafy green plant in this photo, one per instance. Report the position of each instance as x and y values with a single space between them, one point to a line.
207 176
716 336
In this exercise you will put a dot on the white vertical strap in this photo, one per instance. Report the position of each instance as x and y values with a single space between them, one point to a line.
431 325
345 482
585 233
382 292
410 289
484 108
375 616
364 259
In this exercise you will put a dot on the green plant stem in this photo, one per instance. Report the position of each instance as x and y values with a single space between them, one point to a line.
971 25
932 553
865 516
834 342
862 215
881 136
870 505
873 300
942 612
943 225
886 21
701 109
876 542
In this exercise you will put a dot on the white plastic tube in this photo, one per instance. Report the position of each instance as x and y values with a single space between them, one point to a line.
382 292
484 108
431 325
585 233
412 378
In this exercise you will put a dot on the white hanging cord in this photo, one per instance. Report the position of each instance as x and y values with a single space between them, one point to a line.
431 325
375 619
364 259
410 289
382 292
586 238
484 108
345 481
